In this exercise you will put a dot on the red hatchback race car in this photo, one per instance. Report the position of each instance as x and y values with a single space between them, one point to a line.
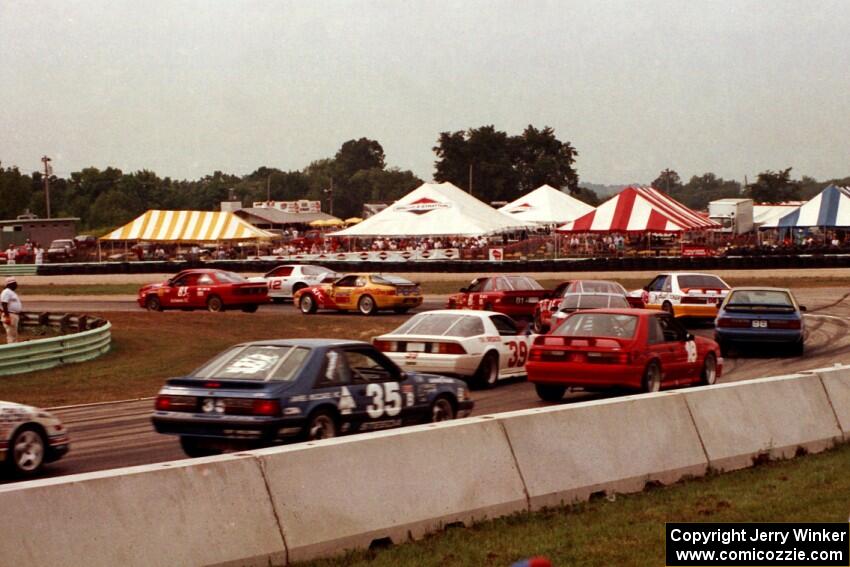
545 308
637 349
214 290
515 296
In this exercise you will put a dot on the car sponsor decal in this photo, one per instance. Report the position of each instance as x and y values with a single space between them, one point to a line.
691 349
254 363
346 401
386 399
375 425
441 380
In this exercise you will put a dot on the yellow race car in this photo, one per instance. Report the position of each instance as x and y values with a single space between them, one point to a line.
366 293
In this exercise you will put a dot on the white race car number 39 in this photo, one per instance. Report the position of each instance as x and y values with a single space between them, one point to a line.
386 399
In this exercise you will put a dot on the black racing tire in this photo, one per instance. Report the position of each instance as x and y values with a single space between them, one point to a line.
487 374
725 348
215 304
652 377
366 305
250 308
537 325
322 424
307 304
27 451
708 377
152 303
442 409
667 307
550 392
798 348
194 447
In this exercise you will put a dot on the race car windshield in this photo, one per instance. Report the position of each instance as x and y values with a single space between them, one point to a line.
598 325
761 299
701 282
522 283
593 301
442 325
229 277
265 363
390 280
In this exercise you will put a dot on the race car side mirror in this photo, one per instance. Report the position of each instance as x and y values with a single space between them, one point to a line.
802 308
646 288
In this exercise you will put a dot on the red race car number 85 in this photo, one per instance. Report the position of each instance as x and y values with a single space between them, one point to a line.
519 352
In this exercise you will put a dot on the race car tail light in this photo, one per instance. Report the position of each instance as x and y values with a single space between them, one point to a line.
176 403
266 407
385 346
785 324
733 322
548 340
448 348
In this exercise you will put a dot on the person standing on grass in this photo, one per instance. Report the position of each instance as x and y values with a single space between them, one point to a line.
12 308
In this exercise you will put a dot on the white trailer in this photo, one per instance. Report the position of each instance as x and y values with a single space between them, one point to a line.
734 215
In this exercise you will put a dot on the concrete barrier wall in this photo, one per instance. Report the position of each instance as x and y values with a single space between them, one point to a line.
346 493
204 512
279 505
566 453
775 417
836 382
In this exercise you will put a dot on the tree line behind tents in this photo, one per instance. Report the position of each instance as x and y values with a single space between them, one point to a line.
768 187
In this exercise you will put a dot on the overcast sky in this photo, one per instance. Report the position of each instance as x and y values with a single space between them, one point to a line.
186 88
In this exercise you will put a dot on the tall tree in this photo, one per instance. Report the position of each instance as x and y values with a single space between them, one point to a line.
356 155
484 156
701 190
774 187
541 158
668 181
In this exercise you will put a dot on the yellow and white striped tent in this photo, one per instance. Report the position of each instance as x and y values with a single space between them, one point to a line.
187 226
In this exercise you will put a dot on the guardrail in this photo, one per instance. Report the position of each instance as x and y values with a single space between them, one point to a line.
92 337
18 269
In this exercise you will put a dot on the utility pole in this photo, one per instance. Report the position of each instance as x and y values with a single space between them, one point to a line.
269 188
330 193
47 171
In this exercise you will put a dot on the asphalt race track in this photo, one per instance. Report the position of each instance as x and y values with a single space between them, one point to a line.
105 436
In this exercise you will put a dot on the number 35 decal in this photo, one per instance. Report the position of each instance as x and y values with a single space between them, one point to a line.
519 352
385 399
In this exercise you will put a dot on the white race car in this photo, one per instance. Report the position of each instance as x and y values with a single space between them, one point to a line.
483 346
685 294
29 438
285 280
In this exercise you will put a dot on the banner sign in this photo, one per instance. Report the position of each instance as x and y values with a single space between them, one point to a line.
496 254
300 206
370 256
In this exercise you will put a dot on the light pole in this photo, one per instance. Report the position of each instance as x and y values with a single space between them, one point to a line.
47 171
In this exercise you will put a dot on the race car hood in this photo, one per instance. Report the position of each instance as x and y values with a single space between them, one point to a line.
152 287
14 406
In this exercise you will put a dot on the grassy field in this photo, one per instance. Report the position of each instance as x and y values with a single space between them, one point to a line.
446 287
148 347
630 529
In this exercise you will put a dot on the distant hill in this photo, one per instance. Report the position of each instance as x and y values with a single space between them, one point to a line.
603 191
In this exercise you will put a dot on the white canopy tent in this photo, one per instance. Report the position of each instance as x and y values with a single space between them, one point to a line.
435 209
546 205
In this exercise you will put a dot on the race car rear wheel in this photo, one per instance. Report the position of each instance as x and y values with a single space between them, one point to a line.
487 373
652 377
215 304
194 447
26 452
307 304
366 305
442 410
322 425
667 307
152 303
709 370
798 348
550 392
250 308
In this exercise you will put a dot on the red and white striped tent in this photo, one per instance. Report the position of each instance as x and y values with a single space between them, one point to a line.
640 209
